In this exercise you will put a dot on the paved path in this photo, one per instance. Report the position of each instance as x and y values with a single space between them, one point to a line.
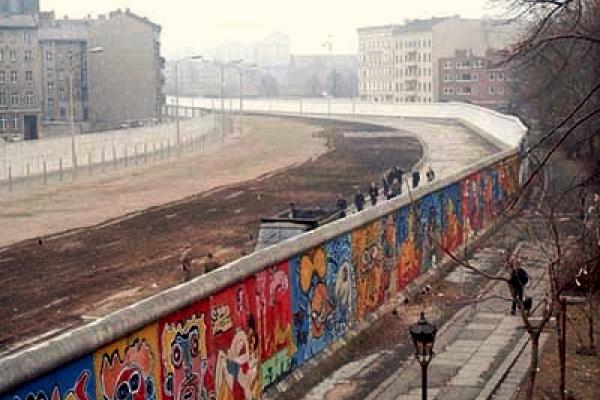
473 351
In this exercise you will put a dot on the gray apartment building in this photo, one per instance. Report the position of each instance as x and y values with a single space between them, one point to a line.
40 55
20 83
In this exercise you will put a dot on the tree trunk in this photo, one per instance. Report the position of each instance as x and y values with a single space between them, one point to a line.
533 366
590 314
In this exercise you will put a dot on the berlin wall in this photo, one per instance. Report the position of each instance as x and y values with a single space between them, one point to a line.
236 331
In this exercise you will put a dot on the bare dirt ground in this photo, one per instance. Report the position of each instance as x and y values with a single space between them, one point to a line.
88 272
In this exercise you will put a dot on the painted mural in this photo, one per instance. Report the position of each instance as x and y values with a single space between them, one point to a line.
451 218
75 381
274 323
323 296
234 359
409 245
249 335
129 369
183 352
367 260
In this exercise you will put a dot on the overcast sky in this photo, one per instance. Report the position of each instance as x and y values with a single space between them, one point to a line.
202 23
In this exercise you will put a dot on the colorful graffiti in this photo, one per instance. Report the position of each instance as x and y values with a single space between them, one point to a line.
367 260
129 368
274 323
323 296
234 340
184 354
409 245
251 334
72 382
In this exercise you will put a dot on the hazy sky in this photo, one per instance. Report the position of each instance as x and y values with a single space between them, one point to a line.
203 23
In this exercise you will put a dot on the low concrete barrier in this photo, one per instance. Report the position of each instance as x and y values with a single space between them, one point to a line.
236 331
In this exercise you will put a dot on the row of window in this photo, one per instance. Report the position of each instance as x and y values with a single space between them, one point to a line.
6 36
398 73
407 58
388 44
464 64
14 98
15 122
12 55
472 90
473 77
408 86
13 76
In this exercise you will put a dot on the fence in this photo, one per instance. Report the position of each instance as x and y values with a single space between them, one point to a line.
48 161
240 329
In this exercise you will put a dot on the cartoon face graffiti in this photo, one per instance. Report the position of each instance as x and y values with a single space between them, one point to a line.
184 359
129 378
321 310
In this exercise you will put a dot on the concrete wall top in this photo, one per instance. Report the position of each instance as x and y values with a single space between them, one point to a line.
503 129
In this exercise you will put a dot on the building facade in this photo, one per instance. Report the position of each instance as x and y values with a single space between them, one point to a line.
398 63
20 81
41 56
127 77
474 79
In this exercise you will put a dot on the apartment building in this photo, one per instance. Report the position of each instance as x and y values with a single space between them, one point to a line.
480 80
40 55
20 83
398 63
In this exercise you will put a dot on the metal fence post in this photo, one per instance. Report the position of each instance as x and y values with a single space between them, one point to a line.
60 169
10 181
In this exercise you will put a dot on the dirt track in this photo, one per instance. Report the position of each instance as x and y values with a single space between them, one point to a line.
90 272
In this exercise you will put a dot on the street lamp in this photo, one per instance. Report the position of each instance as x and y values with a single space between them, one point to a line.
240 66
92 50
178 124
423 336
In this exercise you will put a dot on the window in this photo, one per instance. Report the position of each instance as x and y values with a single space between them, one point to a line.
49 55
448 65
13 76
27 55
2 76
3 122
28 76
475 77
3 99
492 76
501 90
27 37
29 99
50 102
14 99
13 55
492 90
15 122
1 55
500 76
50 86
448 90
448 78
63 113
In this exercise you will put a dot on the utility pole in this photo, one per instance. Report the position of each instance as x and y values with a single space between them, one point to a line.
222 78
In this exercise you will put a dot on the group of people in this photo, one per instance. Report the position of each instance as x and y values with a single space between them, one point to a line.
187 264
391 186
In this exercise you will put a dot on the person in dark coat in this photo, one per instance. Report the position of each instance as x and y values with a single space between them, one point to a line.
386 187
399 174
373 193
416 179
342 205
430 174
517 281
359 200
186 263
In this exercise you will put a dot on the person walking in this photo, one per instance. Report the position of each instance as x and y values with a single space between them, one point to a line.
342 205
186 263
359 201
399 175
386 187
430 175
373 193
517 281
416 179
396 189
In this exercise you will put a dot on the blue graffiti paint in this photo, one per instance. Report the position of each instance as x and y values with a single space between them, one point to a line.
74 381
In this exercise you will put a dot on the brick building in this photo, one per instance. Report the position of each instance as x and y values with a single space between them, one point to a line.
474 79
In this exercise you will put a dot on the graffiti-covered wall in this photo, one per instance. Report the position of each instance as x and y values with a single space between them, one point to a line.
238 341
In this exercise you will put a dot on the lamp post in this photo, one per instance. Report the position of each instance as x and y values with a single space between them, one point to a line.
423 336
177 121
93 50
240 66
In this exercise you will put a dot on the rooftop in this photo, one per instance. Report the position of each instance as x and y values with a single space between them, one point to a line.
18 21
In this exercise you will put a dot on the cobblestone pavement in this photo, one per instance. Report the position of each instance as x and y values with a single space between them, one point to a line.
474 351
